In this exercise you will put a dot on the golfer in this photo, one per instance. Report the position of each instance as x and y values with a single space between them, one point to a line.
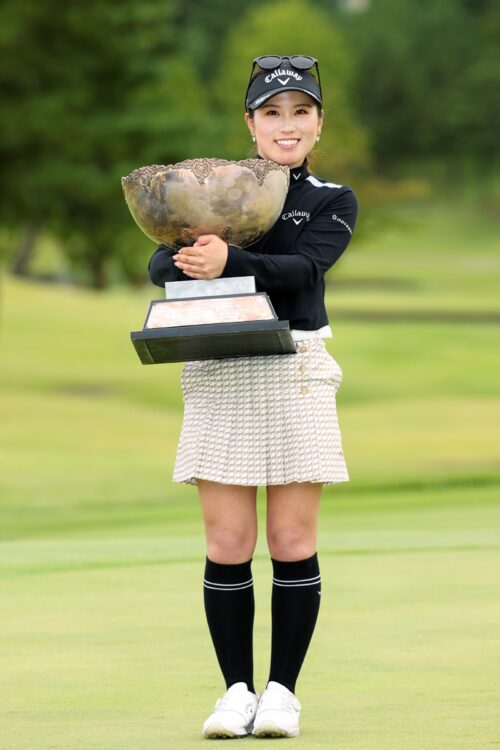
267 420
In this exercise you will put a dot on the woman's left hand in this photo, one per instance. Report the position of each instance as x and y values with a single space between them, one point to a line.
205 259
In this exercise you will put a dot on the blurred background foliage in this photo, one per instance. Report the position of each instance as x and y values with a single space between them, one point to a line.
91 91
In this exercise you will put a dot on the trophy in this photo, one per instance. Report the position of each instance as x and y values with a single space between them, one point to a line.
209 319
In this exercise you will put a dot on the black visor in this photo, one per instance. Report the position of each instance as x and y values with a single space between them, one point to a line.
278 74
270 83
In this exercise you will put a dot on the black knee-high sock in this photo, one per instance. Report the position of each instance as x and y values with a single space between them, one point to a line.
295 604
230 607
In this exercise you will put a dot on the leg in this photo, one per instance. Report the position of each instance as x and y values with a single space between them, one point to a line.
292 520
292 516
230 517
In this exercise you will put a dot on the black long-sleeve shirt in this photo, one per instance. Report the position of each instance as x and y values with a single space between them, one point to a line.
290 261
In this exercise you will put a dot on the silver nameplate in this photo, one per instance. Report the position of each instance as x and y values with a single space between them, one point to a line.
210 287
205 310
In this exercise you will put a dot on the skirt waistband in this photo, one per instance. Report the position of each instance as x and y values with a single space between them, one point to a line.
325 332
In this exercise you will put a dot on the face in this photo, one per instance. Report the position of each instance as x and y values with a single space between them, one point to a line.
286 127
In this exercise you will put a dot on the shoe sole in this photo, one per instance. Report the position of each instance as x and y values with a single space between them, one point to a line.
220 732
270 729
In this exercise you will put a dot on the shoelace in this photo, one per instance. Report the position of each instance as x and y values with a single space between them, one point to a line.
223 702
287 702
228 701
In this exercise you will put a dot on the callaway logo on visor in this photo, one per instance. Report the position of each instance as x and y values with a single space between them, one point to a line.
277 73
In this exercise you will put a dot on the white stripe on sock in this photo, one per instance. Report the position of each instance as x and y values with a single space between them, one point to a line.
290 581
295 585
240 583
228 587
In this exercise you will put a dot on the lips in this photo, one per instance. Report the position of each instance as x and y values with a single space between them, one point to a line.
287 143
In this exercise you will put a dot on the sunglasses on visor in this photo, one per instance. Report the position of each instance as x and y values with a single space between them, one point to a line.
270 62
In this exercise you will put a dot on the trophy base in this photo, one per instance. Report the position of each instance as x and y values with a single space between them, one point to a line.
213 341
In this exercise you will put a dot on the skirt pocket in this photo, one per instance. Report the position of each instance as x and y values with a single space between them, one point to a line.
314 357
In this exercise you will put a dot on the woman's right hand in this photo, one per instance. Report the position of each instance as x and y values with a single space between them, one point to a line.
206 259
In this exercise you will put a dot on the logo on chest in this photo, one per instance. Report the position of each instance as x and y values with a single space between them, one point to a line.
296 216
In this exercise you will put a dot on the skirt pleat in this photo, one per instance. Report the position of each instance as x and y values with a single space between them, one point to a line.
262 420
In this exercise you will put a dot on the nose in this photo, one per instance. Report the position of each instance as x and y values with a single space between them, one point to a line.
287 125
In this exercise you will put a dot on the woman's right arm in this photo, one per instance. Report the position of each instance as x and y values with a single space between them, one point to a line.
162 268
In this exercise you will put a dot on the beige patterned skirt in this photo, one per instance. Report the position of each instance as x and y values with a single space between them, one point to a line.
262 420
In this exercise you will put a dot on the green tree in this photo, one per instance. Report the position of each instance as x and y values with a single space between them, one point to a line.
202 27
427 79
91 91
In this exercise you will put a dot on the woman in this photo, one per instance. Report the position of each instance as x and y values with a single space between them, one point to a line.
267 420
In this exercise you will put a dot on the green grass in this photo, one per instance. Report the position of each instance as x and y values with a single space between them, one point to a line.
104 643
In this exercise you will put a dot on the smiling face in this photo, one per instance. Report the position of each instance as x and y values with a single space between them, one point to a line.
286 127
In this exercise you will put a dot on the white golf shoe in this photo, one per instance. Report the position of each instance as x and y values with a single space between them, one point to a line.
233 715
277 713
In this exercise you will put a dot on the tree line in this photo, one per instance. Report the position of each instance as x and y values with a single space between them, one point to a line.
90 91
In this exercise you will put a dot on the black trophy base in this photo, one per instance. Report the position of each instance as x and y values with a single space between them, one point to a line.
213 341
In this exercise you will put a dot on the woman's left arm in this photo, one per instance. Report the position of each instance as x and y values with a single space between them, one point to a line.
318 247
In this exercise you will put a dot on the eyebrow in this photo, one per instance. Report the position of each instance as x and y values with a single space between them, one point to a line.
278 106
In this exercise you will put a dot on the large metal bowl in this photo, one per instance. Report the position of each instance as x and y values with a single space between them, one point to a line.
237 200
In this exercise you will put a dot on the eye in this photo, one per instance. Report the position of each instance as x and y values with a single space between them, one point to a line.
272 112
302 111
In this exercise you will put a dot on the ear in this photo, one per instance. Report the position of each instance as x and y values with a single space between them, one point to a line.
250 123
320 121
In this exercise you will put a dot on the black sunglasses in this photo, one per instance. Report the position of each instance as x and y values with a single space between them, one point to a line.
269 62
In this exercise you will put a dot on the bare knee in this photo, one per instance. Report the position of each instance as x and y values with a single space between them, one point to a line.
231 538
230 546
289 543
